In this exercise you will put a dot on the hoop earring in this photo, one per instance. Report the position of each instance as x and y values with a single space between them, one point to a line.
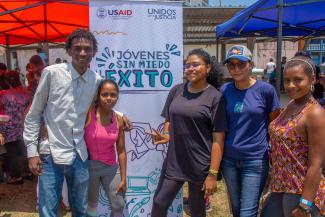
312 88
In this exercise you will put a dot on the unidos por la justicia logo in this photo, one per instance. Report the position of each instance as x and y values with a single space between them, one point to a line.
162 13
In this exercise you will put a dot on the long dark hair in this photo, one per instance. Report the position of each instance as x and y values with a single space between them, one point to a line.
214 77
202 54
100 87
305 62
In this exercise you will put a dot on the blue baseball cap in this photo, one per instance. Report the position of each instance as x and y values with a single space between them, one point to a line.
239 52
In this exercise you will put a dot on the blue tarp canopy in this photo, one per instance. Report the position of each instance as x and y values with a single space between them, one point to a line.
300 18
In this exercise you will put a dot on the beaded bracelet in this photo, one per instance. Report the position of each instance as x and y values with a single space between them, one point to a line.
305 202
213 172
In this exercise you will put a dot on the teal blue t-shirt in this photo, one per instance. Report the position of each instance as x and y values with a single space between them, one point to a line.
247 119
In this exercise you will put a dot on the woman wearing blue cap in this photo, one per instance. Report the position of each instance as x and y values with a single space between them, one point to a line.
251 105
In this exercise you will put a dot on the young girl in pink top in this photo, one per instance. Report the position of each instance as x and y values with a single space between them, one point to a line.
104 137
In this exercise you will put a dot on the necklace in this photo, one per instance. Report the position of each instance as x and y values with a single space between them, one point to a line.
193 90
292 111
251 82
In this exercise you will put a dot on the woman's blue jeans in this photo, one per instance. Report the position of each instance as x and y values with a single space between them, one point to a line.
245 180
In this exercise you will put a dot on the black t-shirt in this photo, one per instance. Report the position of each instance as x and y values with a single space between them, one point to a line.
193 118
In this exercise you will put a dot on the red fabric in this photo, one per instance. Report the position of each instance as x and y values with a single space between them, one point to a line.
29 25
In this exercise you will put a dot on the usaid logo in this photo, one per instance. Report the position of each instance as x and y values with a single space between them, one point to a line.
101 13
120 14
115 13
162 14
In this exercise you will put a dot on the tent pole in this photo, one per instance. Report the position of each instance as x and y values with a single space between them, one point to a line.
8 53
217 49
279 47
46 42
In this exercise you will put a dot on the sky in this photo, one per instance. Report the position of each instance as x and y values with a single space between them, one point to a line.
231 2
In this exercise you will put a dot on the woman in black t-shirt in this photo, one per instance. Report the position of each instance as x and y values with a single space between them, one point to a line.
195 125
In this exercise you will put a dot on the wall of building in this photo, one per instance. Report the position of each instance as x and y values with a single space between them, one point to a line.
267 50
211 49
58 53
263 51
199 3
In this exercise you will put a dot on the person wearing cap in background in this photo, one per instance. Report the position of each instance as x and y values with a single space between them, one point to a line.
250 105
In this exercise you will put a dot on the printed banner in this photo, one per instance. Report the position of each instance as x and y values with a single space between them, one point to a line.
141 48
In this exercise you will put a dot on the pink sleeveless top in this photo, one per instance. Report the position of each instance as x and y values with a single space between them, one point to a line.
101 140
289 158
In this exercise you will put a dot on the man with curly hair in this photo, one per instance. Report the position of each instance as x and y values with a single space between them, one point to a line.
63 96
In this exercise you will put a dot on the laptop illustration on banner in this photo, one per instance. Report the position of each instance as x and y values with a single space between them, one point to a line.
137 185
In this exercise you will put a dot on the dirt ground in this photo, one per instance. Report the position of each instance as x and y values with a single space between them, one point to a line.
20 201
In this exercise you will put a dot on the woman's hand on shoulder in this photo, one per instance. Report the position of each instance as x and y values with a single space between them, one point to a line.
127 124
